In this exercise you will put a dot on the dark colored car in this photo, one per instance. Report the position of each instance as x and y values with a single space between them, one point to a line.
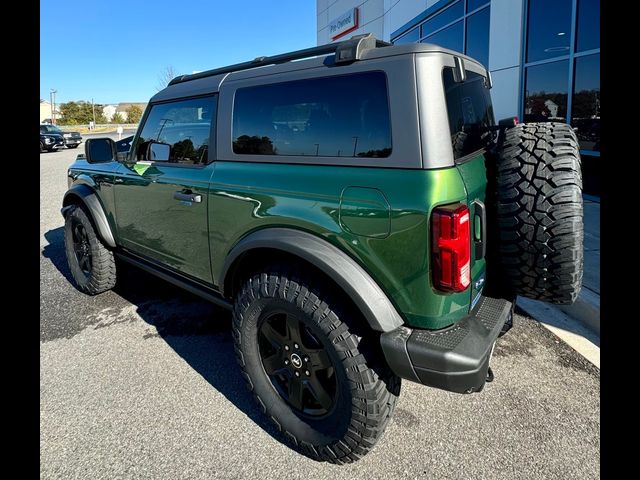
360 213
50 141
71 139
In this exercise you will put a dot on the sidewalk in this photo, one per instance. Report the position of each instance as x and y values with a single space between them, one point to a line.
578 324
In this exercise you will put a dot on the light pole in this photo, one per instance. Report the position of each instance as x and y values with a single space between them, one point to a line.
93 107
52 97
317 148
355 144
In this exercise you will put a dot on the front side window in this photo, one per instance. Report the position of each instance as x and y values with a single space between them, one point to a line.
341 116
470 112
182 130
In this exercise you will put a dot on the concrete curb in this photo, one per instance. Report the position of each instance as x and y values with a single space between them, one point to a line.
586 309
573 331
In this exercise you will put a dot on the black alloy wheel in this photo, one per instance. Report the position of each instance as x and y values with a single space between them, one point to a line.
91 263
297 364
81 246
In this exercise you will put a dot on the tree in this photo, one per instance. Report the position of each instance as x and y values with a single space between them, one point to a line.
117 118
134 113
79 113
165 76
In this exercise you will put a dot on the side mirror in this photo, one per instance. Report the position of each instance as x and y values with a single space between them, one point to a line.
158 152
100 150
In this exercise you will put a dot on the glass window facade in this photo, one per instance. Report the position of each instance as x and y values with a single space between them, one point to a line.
562 69
549 32
588 25
478 36
453 26
585 115
330 117
546 92
450 37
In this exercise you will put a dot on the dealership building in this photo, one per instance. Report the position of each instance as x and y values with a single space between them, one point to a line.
543 55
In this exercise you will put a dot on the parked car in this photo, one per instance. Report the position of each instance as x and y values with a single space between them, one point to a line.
50 141
71 139
357 208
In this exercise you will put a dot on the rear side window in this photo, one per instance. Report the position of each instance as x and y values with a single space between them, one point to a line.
183 126
340 116
470 112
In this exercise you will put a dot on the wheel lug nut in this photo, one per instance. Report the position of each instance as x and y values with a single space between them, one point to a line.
306 372
286 347
286 362
306 359
297 373
296 346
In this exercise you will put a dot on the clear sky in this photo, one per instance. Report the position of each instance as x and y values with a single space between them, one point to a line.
114 50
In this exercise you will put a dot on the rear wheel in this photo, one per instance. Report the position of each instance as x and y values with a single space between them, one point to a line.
539 216
323 385
92 265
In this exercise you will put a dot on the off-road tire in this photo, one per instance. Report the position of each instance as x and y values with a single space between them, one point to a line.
367 390
537 196
101 275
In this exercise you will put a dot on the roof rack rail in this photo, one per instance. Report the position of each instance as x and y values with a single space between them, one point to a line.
346 52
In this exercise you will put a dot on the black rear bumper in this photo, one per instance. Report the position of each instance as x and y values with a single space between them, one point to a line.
455 358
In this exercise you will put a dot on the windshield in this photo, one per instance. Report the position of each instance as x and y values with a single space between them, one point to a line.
49 129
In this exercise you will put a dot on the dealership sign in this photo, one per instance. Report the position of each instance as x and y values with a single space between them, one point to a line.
345 23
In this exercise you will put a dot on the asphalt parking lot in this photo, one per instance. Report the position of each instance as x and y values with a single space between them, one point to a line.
141 382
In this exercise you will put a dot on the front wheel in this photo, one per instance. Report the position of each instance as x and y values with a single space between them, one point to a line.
326 387
92 265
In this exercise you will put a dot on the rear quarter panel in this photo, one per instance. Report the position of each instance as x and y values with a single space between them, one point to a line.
245 197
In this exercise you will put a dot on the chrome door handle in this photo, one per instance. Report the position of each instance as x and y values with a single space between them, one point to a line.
188 197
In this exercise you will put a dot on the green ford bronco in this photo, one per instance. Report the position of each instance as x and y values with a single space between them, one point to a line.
358 209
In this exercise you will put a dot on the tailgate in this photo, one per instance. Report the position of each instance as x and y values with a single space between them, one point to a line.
474 175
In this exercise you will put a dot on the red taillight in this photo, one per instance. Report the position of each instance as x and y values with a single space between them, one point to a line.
451 248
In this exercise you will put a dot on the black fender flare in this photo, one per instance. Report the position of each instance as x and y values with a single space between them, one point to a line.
90 200
345 271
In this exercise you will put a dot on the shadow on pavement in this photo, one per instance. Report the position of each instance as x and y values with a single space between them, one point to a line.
54 251
195 329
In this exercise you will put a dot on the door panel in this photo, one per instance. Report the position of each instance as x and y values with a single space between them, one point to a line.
156 224
161 192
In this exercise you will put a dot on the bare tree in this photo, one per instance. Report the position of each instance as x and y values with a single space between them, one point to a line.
168 74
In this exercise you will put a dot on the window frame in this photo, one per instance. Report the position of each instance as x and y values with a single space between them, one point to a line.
211 150
571 56
401 96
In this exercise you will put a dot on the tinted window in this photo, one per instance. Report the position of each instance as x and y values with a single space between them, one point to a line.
586 102
470 112
409 37
588 25
478 36
49 129
546 92
448 15
342 116
450 37
184 125
549 32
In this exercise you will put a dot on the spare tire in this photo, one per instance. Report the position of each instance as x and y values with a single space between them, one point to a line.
537 196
